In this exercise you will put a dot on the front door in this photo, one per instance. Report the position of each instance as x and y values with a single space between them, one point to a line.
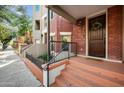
97 36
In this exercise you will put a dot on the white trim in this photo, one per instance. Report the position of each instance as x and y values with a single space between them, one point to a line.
92 16
96 14
44 30
103 59
65 33
106 34
87 50
44 15
52 33
53 73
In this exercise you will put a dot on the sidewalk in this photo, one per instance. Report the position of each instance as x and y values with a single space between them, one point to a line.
13 71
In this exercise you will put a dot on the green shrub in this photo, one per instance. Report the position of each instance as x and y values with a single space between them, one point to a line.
44 57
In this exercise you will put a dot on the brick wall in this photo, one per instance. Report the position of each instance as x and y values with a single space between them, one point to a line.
79 36
59 24
79 32
115 32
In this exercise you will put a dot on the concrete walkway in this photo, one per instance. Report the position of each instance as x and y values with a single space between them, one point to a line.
13 71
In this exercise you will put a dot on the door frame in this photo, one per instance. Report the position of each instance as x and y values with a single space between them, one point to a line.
87 41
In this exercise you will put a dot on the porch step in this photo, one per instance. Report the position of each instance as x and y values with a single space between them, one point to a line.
92 79
78 74
67 80
97 71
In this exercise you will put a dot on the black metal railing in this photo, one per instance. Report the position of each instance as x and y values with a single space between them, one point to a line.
60 50
34 60
24 47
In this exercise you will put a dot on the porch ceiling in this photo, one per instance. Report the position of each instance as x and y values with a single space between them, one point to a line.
77 11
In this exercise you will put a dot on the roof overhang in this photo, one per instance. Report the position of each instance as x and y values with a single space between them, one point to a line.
75 12
57 9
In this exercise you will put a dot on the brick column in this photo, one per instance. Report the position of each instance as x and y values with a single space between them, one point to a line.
115 33
79 36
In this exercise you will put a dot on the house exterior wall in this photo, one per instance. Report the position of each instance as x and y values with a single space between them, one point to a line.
78 33
114 15
123 37
79 36
58 25
36 16
115 33
38 46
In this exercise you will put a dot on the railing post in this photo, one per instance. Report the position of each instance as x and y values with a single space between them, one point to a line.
48 45
76 48
68 51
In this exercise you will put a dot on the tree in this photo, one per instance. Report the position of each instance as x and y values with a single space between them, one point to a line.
23 22
16 16
7 14
6 19
13 17
5 36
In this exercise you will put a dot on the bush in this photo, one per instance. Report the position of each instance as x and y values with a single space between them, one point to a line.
44 57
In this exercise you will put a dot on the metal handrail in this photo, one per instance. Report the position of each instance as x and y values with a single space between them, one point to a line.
46 66
53 59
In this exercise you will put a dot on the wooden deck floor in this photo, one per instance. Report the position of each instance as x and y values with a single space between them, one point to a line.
84 72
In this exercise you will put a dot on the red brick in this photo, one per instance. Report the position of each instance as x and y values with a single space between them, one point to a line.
79 36
115 32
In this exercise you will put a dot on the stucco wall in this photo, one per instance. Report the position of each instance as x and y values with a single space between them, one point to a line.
36 16
37 49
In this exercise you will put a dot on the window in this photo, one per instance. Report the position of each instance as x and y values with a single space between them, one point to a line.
37 25
37 8
45 22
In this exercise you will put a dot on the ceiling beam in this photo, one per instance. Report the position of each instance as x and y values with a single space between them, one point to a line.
62 13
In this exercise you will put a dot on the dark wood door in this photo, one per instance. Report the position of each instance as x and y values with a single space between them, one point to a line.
96 36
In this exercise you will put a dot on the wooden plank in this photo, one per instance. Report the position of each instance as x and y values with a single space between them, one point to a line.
95 79
100 70
100 74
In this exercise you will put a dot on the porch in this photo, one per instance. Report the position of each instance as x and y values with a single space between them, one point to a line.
80 71
94 29
84 72
90 73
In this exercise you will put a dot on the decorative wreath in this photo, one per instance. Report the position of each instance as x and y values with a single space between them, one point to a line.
96 25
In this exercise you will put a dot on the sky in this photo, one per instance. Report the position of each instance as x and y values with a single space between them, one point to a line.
29 10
